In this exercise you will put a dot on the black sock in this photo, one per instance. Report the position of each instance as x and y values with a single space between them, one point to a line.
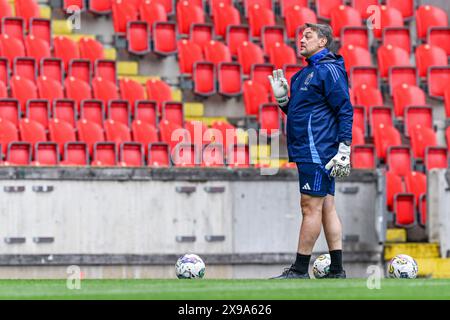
336 261
302 263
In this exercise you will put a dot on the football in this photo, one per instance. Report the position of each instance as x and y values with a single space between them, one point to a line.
402 266
190 266
321 266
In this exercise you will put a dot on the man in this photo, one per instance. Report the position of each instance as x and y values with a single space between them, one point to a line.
319 134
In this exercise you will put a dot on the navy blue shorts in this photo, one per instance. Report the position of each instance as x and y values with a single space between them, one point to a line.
315 180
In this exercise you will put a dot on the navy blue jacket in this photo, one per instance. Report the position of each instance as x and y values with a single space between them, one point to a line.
319 112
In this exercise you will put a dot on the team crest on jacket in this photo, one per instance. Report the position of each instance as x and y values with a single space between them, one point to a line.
307 81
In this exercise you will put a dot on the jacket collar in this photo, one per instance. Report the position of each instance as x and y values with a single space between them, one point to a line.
317 56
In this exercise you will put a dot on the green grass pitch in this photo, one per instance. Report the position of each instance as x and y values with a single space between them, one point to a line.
210 289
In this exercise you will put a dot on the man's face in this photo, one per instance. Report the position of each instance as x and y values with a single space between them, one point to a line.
311 43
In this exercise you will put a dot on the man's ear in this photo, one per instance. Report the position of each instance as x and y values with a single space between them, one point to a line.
323 42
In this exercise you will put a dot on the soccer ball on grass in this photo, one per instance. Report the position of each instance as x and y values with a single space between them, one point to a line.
321 266
190 266
402 266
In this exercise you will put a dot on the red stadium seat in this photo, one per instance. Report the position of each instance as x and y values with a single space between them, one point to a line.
416 183
90 133
77 90
80 69
158 155
357 135
296 16
213 155
363 157
144 133
146 111
91 49
14 27
106 69
436 157
201 33
406 95
199 133
397 36
61 132
122 12
288 4
216 52
290 69
4 71
104 154
10 48
37 48
362 5
447 137
9 134
259 17
224 133
164 38
440 37
255 95
344 16
131 91
447 102
260 73
429 16
116 132
421 138
406 7
138 36
247 4
39 111
100 7
229 76
41 29
380 115
172 133
281 54
75 154
384 137
438 79
188 54
359 120
32 131
119 111
368 97
402 75
390 56
65 110
52 68
93 111
10 110
225 16
269 119
398 160
152 11
46 154
104 90
364 75
249 53
429 56
25 68
19 153
357 36
3 90
355 56
417 115
326 7
214 4
5 9
204 78
78 4
238 156
270 35
158 91
27 9
131 154
173 112
235 36
65 49
185 155
404 210
188 14
389 17
23 90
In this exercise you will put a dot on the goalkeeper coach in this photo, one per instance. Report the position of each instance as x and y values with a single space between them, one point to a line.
319 135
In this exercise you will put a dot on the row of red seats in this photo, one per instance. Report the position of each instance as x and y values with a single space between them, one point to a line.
26 9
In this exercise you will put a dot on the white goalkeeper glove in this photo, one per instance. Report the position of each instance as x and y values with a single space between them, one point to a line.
340 164
280 87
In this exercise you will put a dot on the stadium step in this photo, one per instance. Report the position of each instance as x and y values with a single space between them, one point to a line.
206 120
415 250
128 68
110 53
141 79
46 12
260 152
78 36
61 27
177 95
434 268
193 109
396 235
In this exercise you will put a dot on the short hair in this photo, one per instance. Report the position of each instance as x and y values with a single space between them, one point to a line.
323 31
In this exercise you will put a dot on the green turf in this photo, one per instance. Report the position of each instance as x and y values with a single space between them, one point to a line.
226 289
